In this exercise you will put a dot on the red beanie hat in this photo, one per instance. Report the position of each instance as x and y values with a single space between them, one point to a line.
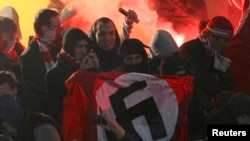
220 27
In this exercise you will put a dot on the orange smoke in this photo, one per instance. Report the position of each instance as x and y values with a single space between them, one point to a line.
86 12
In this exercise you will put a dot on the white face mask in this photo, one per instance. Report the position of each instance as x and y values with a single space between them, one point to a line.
9 45
49 36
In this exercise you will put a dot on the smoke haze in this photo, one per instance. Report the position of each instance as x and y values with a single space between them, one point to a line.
179 17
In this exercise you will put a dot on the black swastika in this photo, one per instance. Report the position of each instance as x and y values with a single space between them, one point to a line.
146 108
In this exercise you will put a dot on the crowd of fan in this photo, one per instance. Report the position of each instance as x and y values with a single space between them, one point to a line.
32 78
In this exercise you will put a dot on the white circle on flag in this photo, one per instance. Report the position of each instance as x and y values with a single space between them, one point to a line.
157 88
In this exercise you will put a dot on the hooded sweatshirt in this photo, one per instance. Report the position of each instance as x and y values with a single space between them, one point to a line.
162 44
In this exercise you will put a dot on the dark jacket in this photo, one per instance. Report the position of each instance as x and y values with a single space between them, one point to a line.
56 90
55 84
5 63
200 105
32 64
208 83
201 65
109 60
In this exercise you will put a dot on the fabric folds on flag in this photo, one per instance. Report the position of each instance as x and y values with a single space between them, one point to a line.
148 107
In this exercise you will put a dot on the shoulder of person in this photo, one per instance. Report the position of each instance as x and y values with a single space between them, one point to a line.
191 44
32 47
46 132
36 119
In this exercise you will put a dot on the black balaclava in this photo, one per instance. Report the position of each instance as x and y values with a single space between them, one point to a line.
134 46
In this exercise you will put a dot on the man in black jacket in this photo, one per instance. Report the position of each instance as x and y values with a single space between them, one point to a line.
41 53
205 61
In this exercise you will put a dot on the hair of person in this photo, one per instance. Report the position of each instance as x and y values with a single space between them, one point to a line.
103 20
43 17
7 25
6 77
133 46
71 37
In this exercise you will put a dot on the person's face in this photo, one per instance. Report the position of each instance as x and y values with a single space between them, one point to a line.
55 24
81 49
8 36
105 36
133 59
218 43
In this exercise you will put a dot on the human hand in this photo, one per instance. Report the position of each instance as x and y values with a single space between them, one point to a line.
131 17
89 61
86 63
112 125
94 59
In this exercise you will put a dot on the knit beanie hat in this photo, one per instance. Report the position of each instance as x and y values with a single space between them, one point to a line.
132 46
219 26
11 111
239 104
162 43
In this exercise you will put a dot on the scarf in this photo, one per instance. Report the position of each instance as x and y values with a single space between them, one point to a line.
50 38
53 38
12 49
5 45
221 63
70 60
46 55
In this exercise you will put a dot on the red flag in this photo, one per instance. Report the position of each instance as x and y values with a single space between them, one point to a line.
148 107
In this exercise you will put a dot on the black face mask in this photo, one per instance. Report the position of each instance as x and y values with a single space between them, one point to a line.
139 68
